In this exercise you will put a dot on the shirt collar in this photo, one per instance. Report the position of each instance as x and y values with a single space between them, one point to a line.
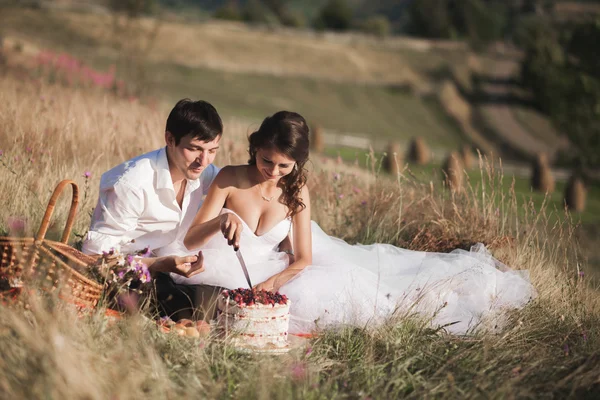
163 174
164 180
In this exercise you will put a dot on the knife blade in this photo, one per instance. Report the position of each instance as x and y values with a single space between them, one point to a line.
238 253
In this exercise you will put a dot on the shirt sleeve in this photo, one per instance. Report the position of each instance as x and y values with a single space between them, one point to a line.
118 210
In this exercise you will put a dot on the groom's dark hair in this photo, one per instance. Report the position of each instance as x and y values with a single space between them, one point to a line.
196 118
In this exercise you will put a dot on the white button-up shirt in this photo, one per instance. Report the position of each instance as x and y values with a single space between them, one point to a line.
137 203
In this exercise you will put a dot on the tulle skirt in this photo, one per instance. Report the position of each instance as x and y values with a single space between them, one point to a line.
365 285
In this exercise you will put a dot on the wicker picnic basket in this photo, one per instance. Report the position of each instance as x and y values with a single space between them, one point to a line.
50 265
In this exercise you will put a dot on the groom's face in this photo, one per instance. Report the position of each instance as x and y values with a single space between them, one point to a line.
191 156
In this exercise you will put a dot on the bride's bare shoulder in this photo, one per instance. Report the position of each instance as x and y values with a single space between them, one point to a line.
229 175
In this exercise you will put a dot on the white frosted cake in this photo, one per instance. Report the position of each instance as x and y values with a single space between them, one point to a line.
255 320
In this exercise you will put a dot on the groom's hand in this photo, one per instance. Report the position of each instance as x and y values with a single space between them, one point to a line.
190 265
187 266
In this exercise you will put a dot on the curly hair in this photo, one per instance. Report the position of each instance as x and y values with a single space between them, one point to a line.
288 133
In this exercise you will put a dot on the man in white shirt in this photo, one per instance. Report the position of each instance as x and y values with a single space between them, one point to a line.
151 200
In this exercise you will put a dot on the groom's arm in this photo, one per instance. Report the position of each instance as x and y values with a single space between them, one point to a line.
117 213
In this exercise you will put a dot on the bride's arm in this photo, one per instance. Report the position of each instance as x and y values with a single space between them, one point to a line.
208 221
302 238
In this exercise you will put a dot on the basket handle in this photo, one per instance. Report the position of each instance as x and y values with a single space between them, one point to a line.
50 210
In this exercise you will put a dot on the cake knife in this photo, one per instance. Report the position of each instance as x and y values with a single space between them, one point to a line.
238 253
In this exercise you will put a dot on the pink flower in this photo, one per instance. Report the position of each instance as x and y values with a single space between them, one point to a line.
356 190
341 196
298 371
363 203
87 174
16 224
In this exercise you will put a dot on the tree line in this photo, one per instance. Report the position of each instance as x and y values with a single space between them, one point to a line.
562 69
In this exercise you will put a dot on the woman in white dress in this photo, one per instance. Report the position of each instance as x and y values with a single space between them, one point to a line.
330 282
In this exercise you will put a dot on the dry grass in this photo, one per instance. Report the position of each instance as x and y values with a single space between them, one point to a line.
551 348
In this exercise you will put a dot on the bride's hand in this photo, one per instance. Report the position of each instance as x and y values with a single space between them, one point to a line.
268 285
231 227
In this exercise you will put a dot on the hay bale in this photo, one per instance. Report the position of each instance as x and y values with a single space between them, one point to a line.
541 175
466 156
392 161
453 171
418 151
575 194
317 139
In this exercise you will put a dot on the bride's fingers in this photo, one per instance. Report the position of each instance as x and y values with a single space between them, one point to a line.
231 233
225 227
237 235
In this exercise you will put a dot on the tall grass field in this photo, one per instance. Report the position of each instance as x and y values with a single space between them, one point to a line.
50 132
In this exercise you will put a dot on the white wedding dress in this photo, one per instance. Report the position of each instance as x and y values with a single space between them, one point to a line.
364 285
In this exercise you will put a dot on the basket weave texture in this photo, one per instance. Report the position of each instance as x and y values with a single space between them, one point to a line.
54 266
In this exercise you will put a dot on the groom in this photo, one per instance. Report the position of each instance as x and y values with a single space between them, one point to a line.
151 200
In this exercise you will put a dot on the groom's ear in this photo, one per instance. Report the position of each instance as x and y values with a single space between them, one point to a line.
169 139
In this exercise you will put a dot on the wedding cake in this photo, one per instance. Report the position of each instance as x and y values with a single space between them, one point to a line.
255 320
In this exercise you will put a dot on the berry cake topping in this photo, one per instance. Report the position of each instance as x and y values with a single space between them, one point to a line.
250 297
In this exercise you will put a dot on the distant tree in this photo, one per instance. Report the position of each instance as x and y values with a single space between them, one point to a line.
255 12
277 7
537 6
293 19
335 15
377 25
230 11
134 8
478 21
561 67
430 18
286 17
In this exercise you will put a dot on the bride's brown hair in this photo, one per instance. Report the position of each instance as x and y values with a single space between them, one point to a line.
287 132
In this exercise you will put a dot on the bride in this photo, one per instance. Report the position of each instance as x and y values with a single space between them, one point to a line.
331 283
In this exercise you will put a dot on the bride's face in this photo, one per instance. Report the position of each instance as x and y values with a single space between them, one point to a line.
273 165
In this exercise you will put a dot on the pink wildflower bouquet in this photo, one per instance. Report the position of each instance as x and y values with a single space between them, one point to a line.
124 276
